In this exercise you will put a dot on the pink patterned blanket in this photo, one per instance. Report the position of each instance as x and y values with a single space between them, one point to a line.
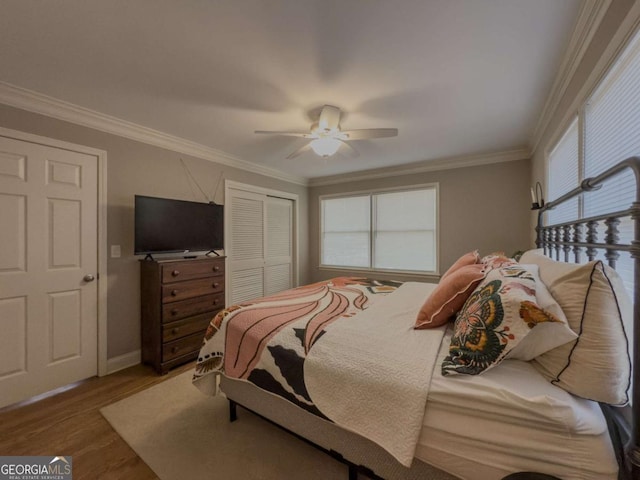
266 341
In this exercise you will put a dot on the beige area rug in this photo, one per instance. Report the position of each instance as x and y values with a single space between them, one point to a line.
182 434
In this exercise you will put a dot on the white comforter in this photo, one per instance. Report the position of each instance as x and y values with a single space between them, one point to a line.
371 374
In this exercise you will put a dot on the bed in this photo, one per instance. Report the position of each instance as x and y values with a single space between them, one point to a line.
542 394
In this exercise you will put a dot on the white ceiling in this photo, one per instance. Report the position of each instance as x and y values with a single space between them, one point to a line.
456 77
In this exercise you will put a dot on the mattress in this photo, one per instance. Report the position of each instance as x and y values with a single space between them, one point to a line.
475 428
511 419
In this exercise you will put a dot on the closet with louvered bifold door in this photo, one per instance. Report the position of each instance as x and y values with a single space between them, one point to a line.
259 245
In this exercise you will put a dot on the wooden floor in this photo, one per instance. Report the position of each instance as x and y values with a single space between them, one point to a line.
70 423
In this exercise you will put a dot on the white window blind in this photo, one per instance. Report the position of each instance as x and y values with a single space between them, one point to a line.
346 224
563 175
405 228
612 133
392 230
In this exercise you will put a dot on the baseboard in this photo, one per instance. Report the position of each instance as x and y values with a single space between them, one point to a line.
123 361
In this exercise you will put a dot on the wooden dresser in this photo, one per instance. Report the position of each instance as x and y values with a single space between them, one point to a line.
178 300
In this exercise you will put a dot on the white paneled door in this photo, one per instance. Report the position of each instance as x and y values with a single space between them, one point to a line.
259 245
48 265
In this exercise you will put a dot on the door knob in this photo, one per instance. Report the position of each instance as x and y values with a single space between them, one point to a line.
89 278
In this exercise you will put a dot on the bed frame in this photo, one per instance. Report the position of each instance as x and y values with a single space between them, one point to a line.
558 240
572 239
361 457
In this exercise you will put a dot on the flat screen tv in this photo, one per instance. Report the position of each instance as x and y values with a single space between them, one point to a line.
163 225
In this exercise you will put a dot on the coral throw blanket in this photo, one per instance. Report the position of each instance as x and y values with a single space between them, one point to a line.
344 350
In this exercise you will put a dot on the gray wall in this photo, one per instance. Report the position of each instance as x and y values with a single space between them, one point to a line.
138 168
483 207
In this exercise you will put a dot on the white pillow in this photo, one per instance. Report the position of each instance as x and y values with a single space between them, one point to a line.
597 365
546 335
550 270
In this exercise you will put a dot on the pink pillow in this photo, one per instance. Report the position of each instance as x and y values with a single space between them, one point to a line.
470 258
449 296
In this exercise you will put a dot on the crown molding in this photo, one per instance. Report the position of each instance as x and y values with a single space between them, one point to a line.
32 101
45 105
447 163
589 18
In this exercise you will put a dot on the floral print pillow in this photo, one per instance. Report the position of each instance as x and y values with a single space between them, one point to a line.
497 260
497 316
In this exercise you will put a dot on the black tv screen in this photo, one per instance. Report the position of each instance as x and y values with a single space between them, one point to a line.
163 225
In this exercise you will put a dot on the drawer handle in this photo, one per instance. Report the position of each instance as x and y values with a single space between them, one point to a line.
216 268
215 285
175 331
175 273
174 349
216 301
174 293
174 311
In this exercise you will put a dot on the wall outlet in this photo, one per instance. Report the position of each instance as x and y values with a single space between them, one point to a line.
115 251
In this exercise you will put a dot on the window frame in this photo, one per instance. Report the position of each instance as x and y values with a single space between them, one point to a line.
371 192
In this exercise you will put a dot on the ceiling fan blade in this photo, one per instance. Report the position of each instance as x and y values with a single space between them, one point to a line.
288 134
366 133
300 151
329 118
350 151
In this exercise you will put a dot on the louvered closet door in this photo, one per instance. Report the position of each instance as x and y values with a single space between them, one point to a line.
278 265
246 250
260 247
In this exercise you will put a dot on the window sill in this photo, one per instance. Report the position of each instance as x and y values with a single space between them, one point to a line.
430 276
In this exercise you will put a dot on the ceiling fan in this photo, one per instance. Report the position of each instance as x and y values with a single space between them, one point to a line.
326 136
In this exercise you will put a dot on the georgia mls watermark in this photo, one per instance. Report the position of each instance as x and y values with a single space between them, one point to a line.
36 468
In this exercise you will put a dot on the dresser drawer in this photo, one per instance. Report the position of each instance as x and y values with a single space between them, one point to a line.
193 306
188 326
193 288
185 345
179 271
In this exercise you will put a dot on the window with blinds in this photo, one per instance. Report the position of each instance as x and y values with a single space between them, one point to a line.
563 174
611 133
389 230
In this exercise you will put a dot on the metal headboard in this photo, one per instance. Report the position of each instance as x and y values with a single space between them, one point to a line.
564 239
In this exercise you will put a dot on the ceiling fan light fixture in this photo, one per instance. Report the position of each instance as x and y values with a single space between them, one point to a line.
325 147
326 136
